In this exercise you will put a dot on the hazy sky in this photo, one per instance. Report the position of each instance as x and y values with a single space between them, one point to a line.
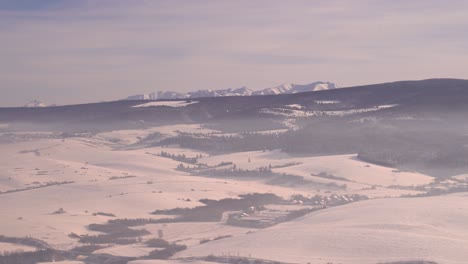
72 51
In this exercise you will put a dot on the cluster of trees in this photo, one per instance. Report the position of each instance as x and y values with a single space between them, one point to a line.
121 177
43 185
27 241
104 214
107 239
9 138
206 240
166 249
262 172
46 255
329 176
114 233
440 191
117 230
274 178
181 157
133 221
213 210
151 138
87 249
224 144
44 252
200 166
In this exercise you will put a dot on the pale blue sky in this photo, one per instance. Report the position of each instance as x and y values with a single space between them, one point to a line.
73 51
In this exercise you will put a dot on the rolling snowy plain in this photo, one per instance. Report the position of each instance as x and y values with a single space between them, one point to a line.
105 174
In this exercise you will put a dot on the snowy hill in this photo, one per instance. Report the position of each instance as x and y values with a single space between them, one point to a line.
242 91
370 232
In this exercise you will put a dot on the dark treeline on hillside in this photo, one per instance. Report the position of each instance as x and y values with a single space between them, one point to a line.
225 144
47 255
434 148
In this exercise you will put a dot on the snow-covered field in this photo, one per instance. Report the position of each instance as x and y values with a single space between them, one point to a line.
126 251
167 103
356 174
126 183
51 188
368 232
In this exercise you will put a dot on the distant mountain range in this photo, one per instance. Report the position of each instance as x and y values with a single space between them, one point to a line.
289 88
243 91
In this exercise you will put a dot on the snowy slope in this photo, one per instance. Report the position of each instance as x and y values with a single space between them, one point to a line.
369 232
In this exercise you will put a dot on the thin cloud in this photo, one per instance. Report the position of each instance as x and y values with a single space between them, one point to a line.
103 50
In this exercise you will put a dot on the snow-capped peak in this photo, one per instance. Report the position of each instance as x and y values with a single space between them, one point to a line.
35 103
291 88
288 88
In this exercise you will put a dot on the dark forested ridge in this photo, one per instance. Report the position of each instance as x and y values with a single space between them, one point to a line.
424 97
